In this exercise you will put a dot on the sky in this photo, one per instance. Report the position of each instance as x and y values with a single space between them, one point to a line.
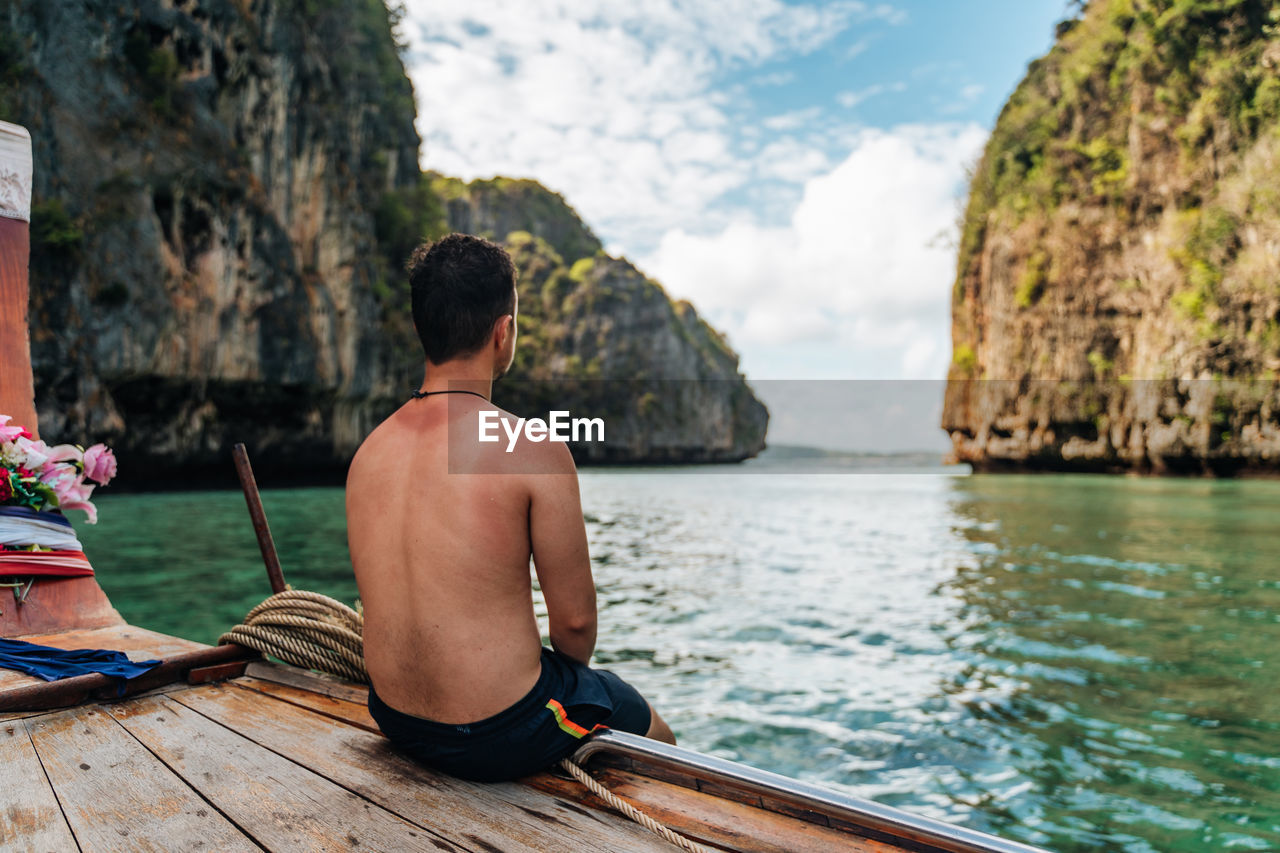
794 169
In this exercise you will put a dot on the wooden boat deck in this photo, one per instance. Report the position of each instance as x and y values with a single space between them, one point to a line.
282 759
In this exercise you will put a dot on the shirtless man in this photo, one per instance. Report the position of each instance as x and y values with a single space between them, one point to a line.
441 529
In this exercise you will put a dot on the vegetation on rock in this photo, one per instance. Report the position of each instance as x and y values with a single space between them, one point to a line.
1122 222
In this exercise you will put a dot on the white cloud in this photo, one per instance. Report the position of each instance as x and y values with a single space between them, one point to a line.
965 98
856 49
849 100
853 98
890 13
793 119
810 239
775 78
618 106
791 160
859 264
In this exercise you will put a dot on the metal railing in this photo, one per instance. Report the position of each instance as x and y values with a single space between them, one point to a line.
880 820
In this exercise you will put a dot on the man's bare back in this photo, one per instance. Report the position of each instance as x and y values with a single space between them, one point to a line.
441 528
441 555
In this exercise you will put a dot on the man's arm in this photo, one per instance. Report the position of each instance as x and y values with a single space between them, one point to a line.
558 538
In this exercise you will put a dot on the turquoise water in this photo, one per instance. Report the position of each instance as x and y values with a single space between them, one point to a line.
1083 663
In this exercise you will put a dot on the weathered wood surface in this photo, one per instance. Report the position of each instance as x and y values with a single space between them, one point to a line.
136 643
56 604
30 819
510 817
25 692
95 687
714 817
217 672
116 795
255 764
282 805
312 682
9 716
17 394
711 819
352 713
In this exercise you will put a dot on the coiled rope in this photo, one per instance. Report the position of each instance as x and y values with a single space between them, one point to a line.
305 629
311 630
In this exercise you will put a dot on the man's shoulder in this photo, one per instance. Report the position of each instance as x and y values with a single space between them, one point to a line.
519 445
376 445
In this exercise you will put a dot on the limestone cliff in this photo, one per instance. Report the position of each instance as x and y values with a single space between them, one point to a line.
226 193
598 336
1117 301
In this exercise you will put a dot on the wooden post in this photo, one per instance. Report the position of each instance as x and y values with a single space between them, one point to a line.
275 575
17 393
53 604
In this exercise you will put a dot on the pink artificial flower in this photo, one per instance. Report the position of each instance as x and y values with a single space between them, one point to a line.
65 481
9 433
99 464
89 509
36 452
74 494
65 453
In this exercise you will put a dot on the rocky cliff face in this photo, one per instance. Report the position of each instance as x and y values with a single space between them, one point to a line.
599 333
225 194
600 338
1117 302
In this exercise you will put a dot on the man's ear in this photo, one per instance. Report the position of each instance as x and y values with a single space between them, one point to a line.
502 330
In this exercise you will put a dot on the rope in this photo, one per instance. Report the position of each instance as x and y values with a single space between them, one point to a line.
311 630
305 629
631 811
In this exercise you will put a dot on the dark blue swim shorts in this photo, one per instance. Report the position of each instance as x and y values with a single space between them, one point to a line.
548 724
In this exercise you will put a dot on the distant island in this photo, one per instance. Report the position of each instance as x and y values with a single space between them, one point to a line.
781 454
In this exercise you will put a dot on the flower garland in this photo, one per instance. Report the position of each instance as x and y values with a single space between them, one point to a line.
43 478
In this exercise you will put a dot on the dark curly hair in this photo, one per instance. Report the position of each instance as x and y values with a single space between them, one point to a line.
460 285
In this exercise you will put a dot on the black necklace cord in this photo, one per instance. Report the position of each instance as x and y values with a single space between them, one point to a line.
418 395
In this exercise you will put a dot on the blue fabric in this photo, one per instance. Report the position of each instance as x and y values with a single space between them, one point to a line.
52 664
27 512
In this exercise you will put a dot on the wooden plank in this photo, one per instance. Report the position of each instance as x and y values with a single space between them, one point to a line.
30 818
9 716
137 643
355 714
95 686
280 804
509 817
358 715
710 819
217 672
305 679
352 713
116 795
